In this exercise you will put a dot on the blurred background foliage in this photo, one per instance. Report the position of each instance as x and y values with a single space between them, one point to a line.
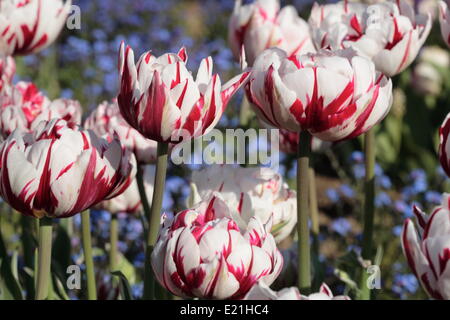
83 65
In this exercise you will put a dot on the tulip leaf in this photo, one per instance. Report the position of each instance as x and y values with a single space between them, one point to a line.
126 268
61 251
9 286
59 288
125 289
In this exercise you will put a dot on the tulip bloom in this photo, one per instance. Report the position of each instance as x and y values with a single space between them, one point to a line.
130 201
444 145
262 25
428 253
444 20
7 72
427 77
160 98
249 192
390 33
27 27
203 253
24 107
58 172
334 96
106 119
262 292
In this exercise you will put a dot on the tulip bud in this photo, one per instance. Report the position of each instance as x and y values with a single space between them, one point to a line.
444 145
203 253
262 25
335 96
444 20
28 27
427 75
58 171
24 107
428 253
160 98
389 32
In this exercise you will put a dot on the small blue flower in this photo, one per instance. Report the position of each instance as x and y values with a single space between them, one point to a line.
378 170
347 191
67 93
408 192
137 290
441 173
359 171
333 195
382 199
397 230
385 182
404 208
418 174
357 156
341 226
433 197
420 185
405 283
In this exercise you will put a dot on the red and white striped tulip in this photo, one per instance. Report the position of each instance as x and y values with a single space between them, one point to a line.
24 107
444 20
160 98
203 253
262 25
249 192
427 77
106 119
428 253
335 96
444 145
390 33
130 201
262 292
7 72
58 171
29 26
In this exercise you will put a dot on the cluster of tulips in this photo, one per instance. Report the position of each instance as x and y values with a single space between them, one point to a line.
318 82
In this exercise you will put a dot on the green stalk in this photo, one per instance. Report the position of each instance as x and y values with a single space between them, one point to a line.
369 209
113 239
87 250
304 259
44 258
142 193
155 216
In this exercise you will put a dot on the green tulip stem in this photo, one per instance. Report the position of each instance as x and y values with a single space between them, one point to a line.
369 209
44 258
113 240
88 259
304 259
155 217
